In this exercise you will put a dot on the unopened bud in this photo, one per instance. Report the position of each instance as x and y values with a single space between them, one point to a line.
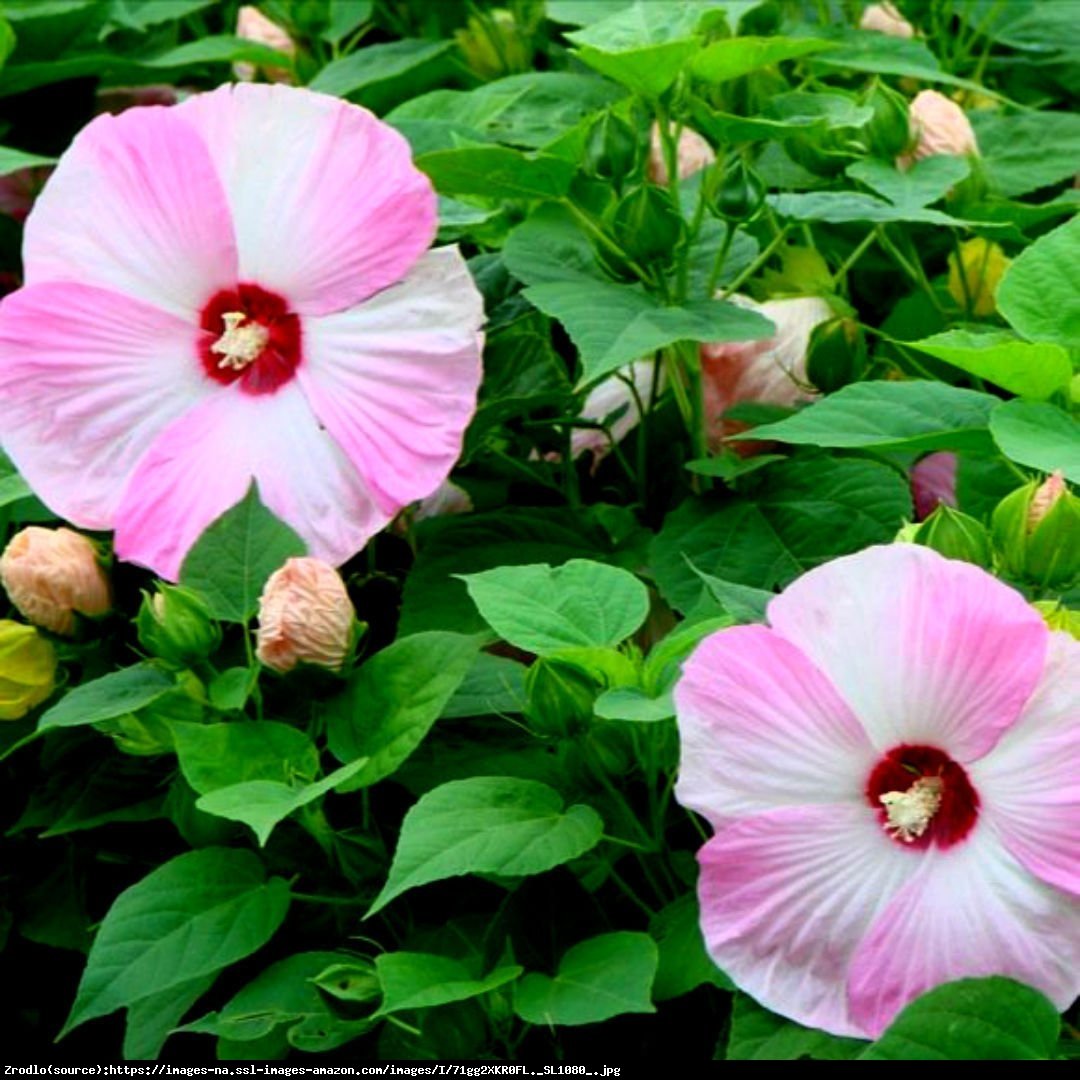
50 574
148 732
938 126
611 148
252 25
1045 498
692 154
738 194
176 624
647 225
885 19
1036 532
956 536
305 616
493 44
27 669
975 276
887 131
836 356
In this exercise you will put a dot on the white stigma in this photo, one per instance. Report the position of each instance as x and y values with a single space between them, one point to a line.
909 812
240 344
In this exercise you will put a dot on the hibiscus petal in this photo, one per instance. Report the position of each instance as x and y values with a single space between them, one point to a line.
970 911
761 727
925 650
205 461
395 379
89 379
787 896
327 205
1030 784
135 205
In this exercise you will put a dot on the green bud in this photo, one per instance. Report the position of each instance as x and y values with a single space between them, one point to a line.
1036 532
647 225
956 536
836 355
736 194
176 624
354 981
611 148
493 44
887 133
149 731
27 669
559 697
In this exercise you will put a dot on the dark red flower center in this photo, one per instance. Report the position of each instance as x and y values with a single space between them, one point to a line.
250 337
922 797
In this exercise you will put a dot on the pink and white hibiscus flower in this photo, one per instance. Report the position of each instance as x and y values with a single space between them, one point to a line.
234 288
891 770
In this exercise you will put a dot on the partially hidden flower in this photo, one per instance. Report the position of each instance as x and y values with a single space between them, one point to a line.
974 277
613 403
448 498
117 99
890 769
938 126
50 575
237 287
933 483
27 669
305 616
885 19
692 154
771 371
252 25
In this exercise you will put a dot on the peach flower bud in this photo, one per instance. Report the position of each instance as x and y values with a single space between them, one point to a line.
1042 502
305 616
693 153
885 19
50 574
771 371
938 126
253 25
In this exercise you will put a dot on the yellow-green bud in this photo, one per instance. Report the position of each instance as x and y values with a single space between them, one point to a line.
493 44
1058 617
176 624
1036 531
955 535
27 669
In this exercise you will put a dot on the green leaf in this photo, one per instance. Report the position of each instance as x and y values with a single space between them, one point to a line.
263 804
150 1021
196 914
1032 370
487 825
412 980
493 685
644 46
633 705
925 182
743 603
759 1035
550 247
358 71
839 207
1039 294
605 976
392 701
12 160
230 562
733 57
1025 151
110 696
684 963
612 325
812 510
1038 435
215 756
230 689
497 172
914 416
994 1019
542 610
345 17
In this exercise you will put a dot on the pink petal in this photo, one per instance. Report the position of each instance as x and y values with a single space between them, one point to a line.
89 379
205 461
395 379
1030 782
925 650
327 204
787 896
761 728
135 206
967 912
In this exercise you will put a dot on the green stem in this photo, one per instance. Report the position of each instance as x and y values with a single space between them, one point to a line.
854 257
721 256
597 233
757 264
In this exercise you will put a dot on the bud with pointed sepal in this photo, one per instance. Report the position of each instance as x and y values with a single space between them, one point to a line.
647 225
837 354
737 193
176 624
611 148
1036 531
955 535
888 132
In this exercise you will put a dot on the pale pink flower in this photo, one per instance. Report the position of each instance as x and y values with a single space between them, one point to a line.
933 482
237 288
885 19
892 771
771 371
253 25
50 574
693 154
606 399
938 126
305 616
